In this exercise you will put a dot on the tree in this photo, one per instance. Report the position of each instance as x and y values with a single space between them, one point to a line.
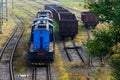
115 64
102 43
108 11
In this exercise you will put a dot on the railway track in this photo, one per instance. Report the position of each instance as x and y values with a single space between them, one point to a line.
41 73
26 11
35 7
39 2
7 53
72 52
91 61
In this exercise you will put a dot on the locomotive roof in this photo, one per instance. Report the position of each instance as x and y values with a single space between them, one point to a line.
43 18
44 13
43 26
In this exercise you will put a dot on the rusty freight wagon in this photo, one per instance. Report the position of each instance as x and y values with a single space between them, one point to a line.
68 24
89 19
51 7
60 10
55 9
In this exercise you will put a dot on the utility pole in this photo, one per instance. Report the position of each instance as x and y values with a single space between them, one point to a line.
1 15
3 12
4 9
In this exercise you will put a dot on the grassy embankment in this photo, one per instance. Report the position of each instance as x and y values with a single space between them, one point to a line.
7 29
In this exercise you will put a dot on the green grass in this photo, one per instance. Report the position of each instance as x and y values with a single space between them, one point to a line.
7 29
56 30
59 64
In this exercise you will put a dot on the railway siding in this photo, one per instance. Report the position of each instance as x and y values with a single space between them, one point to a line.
6 57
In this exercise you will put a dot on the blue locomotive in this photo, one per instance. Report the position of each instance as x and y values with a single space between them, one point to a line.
41 43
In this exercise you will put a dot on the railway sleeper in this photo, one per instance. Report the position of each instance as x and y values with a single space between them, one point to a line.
39 64
76 47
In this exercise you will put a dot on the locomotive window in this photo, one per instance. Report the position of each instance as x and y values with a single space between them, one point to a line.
41 26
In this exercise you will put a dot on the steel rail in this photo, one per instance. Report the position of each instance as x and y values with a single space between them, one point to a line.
14 49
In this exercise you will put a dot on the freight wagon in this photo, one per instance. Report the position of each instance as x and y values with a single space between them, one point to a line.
68 24
89 19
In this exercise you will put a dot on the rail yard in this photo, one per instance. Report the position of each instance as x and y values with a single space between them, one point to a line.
47 40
